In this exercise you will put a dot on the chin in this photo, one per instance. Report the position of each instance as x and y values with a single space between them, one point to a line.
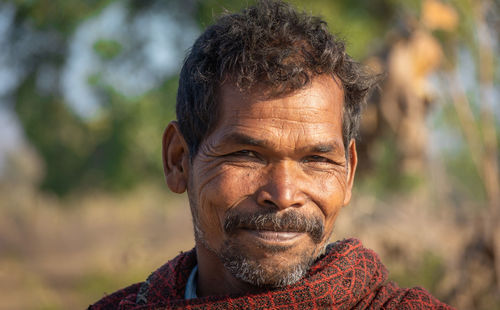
269 266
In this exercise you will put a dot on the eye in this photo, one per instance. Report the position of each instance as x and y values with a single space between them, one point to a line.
316 159
246 153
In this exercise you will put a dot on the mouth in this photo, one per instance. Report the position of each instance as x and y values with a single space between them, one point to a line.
271 236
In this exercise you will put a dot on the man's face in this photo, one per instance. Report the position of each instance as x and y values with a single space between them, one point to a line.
269 181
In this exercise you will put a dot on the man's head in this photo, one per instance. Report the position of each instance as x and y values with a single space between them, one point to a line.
270 46
267 108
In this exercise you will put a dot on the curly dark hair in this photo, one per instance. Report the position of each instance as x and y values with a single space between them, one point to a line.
269 45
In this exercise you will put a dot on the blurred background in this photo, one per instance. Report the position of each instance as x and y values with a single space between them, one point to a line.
87 87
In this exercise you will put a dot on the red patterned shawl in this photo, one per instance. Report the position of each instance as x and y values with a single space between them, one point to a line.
348 276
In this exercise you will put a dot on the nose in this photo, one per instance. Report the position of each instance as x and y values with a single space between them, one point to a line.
283 187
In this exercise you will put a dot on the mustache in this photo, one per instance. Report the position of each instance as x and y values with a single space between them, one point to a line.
291 221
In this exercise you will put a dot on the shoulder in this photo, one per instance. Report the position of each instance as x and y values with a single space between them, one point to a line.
368 281
112 301
168 281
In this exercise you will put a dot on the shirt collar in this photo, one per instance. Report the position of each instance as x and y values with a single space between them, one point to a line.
190 292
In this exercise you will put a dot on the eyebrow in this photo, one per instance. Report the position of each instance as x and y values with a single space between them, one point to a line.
243 139
322 148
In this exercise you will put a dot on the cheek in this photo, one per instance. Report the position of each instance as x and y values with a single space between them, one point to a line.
220 189
329 196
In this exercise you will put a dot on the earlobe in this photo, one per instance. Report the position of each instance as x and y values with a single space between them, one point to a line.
175 156
351 171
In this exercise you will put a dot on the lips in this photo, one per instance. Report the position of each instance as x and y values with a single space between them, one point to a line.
275 236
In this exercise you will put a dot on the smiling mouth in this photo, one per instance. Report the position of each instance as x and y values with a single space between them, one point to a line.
274 236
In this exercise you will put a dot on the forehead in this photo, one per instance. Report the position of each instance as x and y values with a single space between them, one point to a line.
321 101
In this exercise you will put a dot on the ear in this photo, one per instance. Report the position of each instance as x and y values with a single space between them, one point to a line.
175 156
352 162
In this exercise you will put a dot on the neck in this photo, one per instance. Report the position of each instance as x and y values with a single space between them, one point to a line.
211 270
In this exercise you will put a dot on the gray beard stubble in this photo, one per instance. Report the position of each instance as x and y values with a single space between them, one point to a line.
251 271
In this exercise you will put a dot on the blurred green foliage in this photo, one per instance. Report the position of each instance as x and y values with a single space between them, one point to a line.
60 15
107 49
115 150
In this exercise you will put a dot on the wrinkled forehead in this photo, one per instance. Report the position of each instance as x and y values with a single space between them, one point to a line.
318 105
324 90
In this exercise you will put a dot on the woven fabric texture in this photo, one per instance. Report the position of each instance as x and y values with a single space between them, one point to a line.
347 276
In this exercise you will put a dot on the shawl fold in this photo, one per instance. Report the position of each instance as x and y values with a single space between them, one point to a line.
347 276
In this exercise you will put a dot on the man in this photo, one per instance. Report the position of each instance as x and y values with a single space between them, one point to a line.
267 111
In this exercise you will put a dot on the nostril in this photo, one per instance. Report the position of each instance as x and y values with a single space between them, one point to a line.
269 202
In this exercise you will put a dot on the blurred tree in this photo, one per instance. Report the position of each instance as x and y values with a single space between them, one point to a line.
110 148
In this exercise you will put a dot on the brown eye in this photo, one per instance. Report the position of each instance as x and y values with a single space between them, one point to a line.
247 153
317 159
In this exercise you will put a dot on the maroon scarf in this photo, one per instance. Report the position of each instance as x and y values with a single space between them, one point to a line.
348 276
